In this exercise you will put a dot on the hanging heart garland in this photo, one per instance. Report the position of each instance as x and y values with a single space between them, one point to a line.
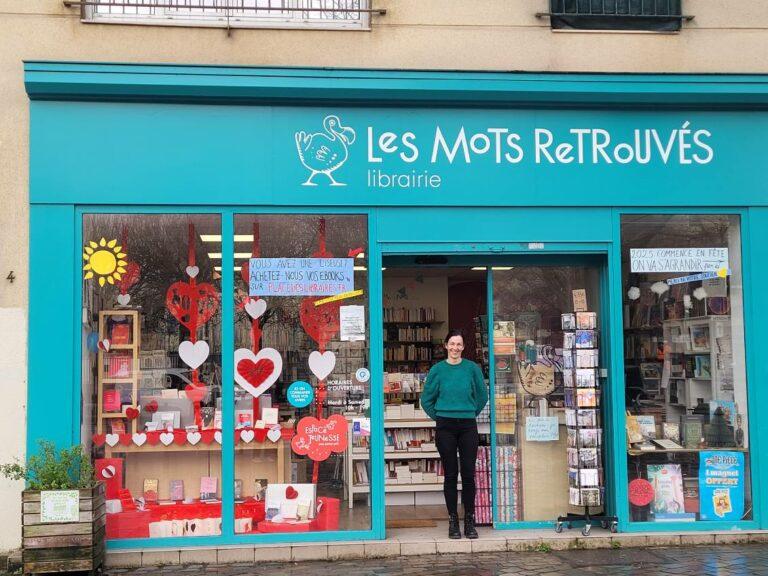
256 373
123 299
182 299
194 354
255 307
196 393
321 323
322 365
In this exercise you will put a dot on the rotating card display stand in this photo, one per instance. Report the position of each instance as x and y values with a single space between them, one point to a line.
581 381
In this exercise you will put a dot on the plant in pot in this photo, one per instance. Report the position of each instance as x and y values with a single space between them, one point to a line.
63 510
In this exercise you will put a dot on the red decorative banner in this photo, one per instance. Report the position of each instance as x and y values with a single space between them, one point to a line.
317 438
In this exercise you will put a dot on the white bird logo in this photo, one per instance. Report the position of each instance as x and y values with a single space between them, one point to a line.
324 152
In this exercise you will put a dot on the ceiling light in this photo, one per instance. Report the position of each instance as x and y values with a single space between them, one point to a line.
501 268
478 268
361 255
236 268
217 237
360 268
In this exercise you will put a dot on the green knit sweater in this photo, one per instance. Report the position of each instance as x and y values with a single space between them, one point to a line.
454 390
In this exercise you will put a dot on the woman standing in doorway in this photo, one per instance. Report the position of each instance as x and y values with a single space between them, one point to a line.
453 396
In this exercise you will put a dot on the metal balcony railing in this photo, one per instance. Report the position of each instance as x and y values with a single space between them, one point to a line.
332 14
654 15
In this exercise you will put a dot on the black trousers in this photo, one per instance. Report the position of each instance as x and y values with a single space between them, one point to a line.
458 435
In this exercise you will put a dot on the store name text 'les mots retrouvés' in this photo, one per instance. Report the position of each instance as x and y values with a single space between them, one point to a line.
581 146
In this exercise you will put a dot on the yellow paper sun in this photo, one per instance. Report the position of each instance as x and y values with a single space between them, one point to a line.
104 260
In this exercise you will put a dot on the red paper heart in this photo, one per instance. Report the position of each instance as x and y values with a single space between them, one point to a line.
180 437
153 438
207 436
320 322
260 434
290 493
129 277
126 439
255 372
288 433
151 406
131 413
182 300
196 393
99 439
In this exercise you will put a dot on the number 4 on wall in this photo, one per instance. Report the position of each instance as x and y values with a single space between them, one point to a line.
10 277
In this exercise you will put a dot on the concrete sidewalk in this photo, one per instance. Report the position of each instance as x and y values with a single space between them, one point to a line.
713 560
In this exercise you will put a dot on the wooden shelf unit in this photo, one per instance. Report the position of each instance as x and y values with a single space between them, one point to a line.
103 379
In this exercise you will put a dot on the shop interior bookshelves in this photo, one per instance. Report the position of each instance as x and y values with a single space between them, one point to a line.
587 518
116 352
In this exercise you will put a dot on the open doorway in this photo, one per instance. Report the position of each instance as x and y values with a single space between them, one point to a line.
515 316
421 303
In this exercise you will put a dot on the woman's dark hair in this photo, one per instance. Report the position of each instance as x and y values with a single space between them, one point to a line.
453 332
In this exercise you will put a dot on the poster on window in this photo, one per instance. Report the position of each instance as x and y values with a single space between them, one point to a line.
721 485
300 276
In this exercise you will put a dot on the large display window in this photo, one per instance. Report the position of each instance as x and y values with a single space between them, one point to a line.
302 372
686 387
151 372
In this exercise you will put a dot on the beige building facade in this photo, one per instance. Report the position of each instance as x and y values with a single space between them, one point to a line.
725 36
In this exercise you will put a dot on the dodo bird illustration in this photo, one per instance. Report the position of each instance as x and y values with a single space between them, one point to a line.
324 152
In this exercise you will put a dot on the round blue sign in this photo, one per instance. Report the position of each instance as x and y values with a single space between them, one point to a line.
300 394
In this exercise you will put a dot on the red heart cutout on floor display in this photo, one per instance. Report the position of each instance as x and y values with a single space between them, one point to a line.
126 439
182 299
196 393
153 438
99 439
131 413
320 322
260 434
206 436
151 407
290 493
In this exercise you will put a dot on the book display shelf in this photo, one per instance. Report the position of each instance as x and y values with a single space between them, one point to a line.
582 392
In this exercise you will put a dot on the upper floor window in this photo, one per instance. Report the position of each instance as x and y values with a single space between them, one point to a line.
331 14
648 15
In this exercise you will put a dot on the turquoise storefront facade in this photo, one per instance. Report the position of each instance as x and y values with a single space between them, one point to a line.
500 167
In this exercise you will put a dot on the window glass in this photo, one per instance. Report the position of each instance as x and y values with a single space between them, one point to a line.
151 372
546 465
302 374
686 388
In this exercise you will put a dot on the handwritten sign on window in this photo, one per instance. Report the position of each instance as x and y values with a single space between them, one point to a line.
300 276
542 429
678 259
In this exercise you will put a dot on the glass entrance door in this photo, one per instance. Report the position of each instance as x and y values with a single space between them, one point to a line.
545 379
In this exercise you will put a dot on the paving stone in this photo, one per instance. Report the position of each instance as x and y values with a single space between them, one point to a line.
697 539
309 552
199 556
663 540
593 543
453 546
344 551
233 555
489 545
631 540
732 538
382 549
272 554
159 557
522 544
123 560
417 548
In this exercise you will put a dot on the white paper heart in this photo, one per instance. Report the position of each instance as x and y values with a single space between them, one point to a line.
105 345
193 437
217 436
166 438
192 271
193 355
246 356
322 364
275 434
112 439
247 435
659 287
139 438
108 472
700 293
256 308
123 299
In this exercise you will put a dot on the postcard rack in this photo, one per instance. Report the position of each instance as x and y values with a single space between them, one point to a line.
581 384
